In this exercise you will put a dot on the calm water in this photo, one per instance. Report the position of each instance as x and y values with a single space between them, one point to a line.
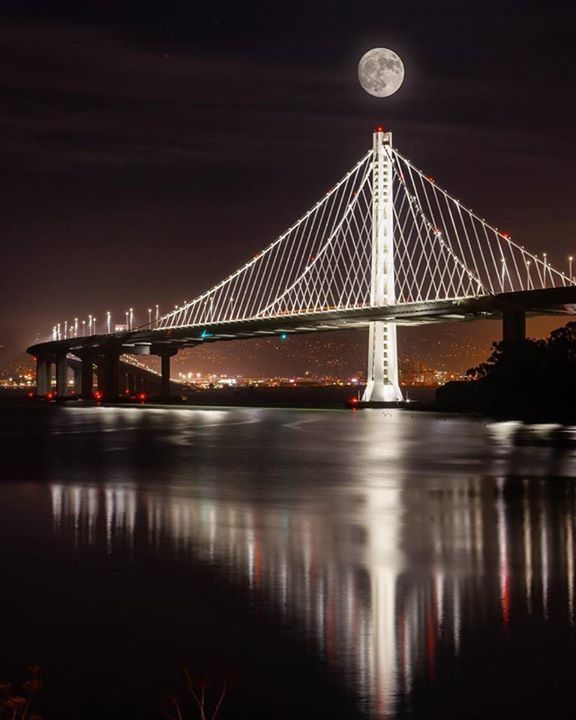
373 564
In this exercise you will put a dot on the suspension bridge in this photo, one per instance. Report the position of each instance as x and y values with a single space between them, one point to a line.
386 246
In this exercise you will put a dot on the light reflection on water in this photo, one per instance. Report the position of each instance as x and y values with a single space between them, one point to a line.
388 538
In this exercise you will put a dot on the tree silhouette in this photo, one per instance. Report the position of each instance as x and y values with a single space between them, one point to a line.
529 376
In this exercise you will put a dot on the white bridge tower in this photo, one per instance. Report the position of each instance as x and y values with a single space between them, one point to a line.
382 377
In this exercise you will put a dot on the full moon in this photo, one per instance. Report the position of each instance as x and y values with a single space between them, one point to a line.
380 72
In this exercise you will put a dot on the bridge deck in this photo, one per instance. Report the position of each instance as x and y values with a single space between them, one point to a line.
550 301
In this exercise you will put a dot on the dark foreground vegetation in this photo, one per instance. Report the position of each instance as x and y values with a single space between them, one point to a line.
200 698
528 379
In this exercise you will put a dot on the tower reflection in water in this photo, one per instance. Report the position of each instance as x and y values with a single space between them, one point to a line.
390 579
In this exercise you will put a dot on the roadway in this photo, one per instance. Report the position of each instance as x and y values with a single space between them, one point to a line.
149 341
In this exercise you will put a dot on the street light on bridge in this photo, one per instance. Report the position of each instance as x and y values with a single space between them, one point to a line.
109 321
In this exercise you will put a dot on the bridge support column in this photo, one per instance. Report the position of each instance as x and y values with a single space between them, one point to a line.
77 380
86 376
382 380
382 376
513 324
61 375
112 381
165 355
100 374
165 388
109 374
43 375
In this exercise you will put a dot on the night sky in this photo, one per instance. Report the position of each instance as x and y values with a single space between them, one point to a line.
148 149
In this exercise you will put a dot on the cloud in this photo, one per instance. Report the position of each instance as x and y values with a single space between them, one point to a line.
84 95
88 96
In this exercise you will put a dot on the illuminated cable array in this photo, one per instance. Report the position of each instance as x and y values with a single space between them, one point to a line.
443 251
323 263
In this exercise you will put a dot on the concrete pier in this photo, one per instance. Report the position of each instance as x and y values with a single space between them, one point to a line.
111 374
86 375
61 375
43 375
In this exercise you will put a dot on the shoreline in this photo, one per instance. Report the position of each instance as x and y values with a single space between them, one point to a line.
321 397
